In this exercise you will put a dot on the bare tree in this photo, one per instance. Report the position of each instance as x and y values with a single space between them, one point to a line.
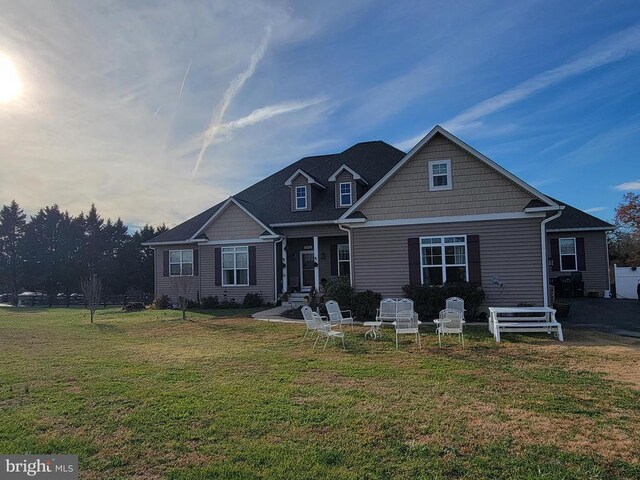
92 290
185 290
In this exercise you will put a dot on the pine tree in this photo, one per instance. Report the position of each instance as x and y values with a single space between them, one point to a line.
50 247
12 228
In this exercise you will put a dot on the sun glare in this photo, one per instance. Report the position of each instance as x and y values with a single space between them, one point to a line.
10 86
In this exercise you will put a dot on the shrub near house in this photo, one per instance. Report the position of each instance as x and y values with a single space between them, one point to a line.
429 300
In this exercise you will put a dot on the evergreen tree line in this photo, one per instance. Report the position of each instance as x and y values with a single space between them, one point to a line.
53 250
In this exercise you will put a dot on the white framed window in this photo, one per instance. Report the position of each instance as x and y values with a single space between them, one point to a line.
344 266
568 255
440 175
345 194
301 198
444 259
180 263
235 266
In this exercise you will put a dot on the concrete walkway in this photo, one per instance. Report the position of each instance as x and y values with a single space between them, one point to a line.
273 315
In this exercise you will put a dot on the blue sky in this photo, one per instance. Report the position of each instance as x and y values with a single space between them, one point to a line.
158 110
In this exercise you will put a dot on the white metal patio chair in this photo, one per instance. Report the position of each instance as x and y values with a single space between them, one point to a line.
336 316
450 321
404 305
456 303
326 331
407 323
317 324
311 321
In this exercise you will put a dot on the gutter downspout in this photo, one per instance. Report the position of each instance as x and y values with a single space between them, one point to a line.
275 269
545 268
348 230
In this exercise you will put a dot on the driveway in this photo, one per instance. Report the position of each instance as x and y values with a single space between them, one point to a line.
617 316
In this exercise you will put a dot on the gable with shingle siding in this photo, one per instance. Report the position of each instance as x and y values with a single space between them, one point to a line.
233 224
477 188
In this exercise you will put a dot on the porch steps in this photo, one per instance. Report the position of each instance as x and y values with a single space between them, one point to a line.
297 299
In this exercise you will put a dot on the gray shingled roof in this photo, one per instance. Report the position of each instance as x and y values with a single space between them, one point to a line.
573 218
270 199
185 230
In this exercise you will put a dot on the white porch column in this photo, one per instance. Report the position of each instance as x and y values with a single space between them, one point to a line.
285 260
316 259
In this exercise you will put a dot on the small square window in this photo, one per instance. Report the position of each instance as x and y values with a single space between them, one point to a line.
180 263
440 175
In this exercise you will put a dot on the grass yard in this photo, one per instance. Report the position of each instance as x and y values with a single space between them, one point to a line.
146 395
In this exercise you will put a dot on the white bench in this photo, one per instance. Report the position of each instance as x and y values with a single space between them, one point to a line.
523 320
388 313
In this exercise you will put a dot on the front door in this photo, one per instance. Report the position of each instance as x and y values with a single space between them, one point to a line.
307 270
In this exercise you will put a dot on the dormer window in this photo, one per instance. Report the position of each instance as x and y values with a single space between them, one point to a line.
345 194
301 198
439 175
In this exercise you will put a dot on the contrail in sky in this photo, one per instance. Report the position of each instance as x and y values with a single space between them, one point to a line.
232 90
184 79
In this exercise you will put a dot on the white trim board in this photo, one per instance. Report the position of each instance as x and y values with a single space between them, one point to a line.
224 206
438 129
584 229
236 242
310 179
452 219
353 173
175 242
303 224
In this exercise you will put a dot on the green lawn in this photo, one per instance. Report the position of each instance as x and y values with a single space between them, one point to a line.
146 395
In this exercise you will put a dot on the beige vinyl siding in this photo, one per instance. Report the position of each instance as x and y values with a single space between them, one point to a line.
163 284
477 188
311 231
232 224
596 276
509 249
205 281
300 181
345 177
264 274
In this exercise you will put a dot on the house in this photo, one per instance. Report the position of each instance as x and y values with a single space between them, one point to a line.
442 212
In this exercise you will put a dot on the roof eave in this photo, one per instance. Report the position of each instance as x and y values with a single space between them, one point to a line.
582 229
174 242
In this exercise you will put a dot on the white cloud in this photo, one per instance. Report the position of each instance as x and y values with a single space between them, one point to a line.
634 185
612 49
230 93
609 50
116 98
543 182
595 209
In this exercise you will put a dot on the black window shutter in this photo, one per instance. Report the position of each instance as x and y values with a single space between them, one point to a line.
582 258
252 266
473 260
217 264
195 262
414 260
555 254
334 260
165 263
